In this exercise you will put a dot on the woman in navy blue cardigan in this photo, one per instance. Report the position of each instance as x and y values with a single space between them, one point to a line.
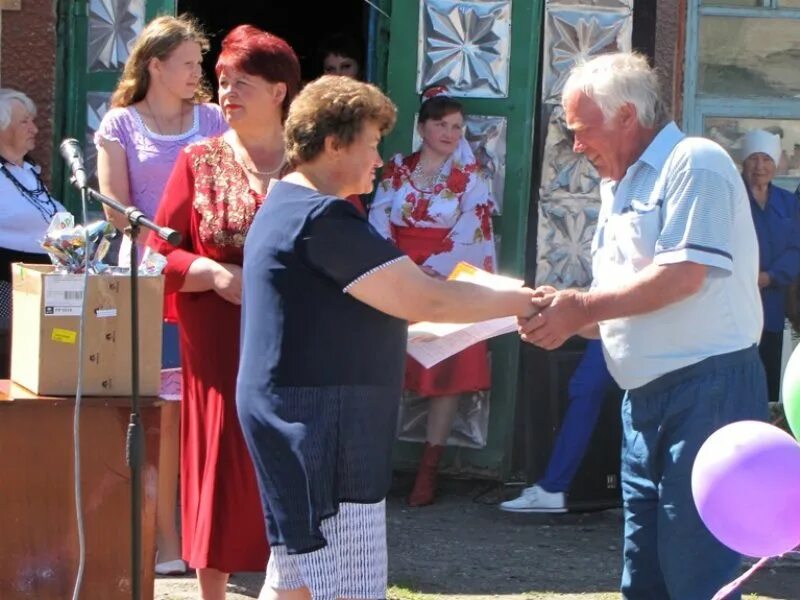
325 310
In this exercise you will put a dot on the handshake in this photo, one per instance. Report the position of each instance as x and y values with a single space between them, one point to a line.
487 307
546 317
555 316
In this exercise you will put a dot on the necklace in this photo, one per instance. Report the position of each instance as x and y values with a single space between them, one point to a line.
39 197
160 130
256 172
427 181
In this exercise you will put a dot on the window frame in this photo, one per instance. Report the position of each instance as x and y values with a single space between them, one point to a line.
697 107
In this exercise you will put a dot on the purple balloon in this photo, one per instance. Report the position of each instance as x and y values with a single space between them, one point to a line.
746 486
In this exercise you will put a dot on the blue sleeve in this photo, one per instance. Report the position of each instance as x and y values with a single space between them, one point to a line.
786 265
341 244
697 223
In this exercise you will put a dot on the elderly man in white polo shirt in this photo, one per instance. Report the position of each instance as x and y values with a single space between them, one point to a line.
675 302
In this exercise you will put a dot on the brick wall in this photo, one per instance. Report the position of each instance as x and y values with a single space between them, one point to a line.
28 63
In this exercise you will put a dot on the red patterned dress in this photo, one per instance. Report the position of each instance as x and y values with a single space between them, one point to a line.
439 228
209 201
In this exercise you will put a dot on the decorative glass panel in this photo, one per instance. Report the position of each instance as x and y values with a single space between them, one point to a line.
487 138
465 45
96 108
749 57
470 426
564 242
572 36
728 133
564 172
569 199
588 5
113 26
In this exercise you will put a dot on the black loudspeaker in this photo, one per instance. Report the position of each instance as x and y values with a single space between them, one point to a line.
544 388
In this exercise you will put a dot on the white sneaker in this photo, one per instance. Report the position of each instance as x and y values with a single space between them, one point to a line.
536 499
171 567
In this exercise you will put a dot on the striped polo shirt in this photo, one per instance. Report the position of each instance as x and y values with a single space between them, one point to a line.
682 201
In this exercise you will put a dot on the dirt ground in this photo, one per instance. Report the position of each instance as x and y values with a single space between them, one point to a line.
464 547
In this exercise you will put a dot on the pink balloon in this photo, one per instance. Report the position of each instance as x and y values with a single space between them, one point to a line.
746 486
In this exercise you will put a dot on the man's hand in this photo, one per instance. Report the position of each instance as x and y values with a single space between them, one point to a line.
763 279
563 314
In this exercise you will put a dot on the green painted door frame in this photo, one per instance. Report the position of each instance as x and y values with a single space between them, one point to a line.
396 59
75 81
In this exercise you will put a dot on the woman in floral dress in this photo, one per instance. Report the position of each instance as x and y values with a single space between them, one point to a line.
435 204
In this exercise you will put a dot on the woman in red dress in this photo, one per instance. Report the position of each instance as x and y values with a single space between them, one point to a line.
214 191
435 204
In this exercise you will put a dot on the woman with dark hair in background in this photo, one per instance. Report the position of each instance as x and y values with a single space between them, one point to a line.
342 54
216 188
435 204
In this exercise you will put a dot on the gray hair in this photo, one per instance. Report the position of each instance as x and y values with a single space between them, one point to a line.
612 80
7 97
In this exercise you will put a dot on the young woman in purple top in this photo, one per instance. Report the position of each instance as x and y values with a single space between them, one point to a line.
159 107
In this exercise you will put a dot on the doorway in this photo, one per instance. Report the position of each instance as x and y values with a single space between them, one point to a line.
304 24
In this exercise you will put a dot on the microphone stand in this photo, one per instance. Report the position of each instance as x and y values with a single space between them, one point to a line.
134 449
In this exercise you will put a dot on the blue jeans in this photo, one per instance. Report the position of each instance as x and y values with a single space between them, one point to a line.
588 387
668 551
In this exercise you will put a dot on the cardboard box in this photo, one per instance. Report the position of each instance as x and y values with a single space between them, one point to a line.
46 324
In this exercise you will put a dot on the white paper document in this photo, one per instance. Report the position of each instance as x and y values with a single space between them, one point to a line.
431 343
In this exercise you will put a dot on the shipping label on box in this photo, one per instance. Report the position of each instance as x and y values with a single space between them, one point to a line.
46 330
63 296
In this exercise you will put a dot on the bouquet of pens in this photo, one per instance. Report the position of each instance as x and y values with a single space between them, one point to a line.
69 245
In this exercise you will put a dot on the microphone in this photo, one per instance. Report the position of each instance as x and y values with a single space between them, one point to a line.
71 152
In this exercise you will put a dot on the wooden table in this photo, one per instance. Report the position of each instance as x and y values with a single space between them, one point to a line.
38 528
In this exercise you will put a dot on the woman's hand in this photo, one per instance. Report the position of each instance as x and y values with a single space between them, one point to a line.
227 282
541 298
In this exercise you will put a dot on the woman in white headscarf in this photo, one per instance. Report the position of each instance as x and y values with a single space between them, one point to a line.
435 204
776 216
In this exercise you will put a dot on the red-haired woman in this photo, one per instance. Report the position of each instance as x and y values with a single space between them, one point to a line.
214 191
